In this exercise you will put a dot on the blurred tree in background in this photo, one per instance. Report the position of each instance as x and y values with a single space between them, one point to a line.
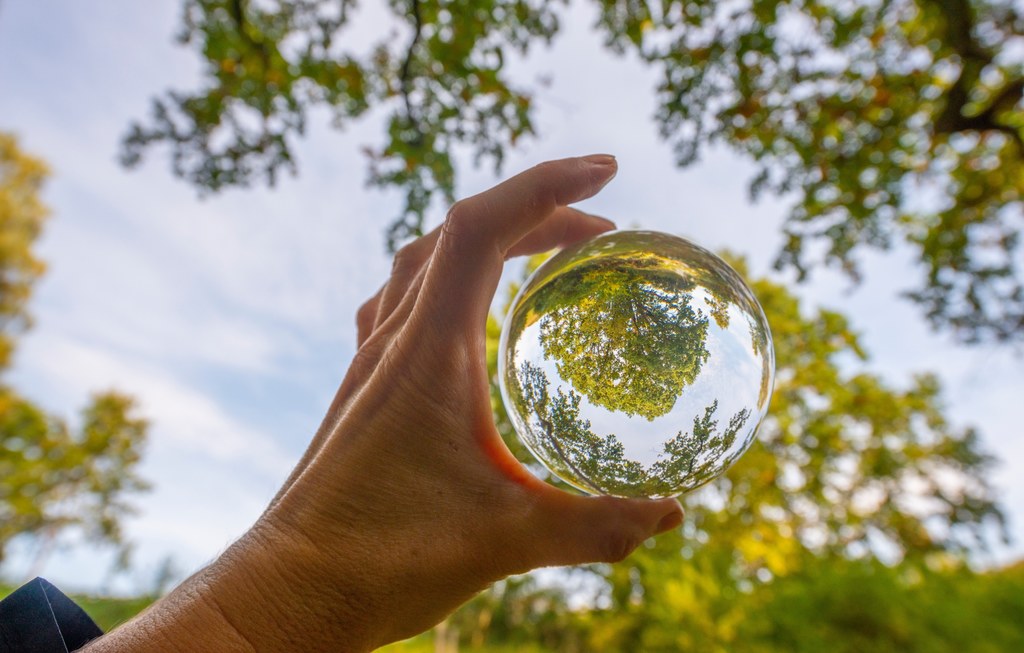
23 214
53 477
847 524
887 122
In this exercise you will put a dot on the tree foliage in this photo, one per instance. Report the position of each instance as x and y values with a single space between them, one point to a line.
268 63
597 462
848 521
846 463
53 477
888 122
627 338
22 215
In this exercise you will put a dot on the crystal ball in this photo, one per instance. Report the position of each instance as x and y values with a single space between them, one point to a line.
636 364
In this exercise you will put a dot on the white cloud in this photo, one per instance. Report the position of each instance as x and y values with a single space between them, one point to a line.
182 417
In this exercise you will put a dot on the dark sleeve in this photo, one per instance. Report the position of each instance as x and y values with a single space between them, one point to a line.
39 618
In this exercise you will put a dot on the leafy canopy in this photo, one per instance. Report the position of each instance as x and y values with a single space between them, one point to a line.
597 462
625 336
889 122
833 524
22 215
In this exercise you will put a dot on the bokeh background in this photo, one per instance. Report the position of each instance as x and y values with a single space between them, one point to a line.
229 317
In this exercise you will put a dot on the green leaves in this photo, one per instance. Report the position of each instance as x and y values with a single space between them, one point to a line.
53 478
625 341
442 86
22 215
848 465
264 66
886 122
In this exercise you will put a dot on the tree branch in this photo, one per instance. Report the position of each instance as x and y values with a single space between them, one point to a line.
404 75
952 120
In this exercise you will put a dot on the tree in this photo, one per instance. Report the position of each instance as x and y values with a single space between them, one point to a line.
52 477
22 215
627 338
597 463
888 122
854 488
567 442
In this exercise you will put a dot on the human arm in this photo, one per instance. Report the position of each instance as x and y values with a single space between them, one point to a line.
407 502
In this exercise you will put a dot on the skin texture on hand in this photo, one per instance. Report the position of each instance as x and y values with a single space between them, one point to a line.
407 502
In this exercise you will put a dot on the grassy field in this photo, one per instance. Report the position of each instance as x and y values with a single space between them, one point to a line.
425 644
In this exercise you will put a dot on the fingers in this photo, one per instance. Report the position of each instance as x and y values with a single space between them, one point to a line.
577 530
482 230
500 217
523 215
366 317
565 227
407 264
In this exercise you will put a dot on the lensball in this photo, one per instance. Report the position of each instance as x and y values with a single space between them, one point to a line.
636 364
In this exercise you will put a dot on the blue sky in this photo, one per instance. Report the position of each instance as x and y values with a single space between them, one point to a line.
231 318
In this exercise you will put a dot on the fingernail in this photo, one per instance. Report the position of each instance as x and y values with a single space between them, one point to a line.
600 159
605 169
669 521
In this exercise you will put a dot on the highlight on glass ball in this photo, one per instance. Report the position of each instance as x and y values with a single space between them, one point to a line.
636 364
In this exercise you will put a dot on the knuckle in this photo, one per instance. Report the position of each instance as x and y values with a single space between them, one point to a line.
457 222
543 196
616 547
461 224
405 259
366 315
549 165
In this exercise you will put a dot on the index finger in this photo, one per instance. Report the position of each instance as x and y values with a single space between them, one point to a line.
481 230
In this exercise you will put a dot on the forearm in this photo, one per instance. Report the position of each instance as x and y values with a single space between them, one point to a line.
408 502
262 594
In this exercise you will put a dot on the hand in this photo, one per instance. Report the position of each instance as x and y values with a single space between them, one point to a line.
407 502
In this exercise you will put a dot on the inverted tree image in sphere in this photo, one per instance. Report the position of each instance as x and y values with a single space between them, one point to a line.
636 364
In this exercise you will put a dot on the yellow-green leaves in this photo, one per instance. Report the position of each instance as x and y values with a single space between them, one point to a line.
53 477
22 214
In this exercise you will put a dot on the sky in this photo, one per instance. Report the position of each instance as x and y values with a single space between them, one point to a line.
231 318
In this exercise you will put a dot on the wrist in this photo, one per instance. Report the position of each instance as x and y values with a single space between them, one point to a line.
266 592
279 590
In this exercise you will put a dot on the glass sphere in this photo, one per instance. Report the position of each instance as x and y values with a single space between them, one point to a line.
636 364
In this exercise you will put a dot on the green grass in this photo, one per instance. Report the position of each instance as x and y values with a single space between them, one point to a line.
425 644
107 612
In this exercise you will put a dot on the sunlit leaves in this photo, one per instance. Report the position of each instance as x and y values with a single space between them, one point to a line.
441 81
22 215
848 464
628 339
54 478
887 123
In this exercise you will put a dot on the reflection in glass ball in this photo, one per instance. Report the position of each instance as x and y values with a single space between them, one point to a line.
636 364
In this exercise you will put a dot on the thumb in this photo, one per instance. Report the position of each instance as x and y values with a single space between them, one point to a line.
580 530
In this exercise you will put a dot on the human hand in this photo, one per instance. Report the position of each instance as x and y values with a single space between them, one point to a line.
407 502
